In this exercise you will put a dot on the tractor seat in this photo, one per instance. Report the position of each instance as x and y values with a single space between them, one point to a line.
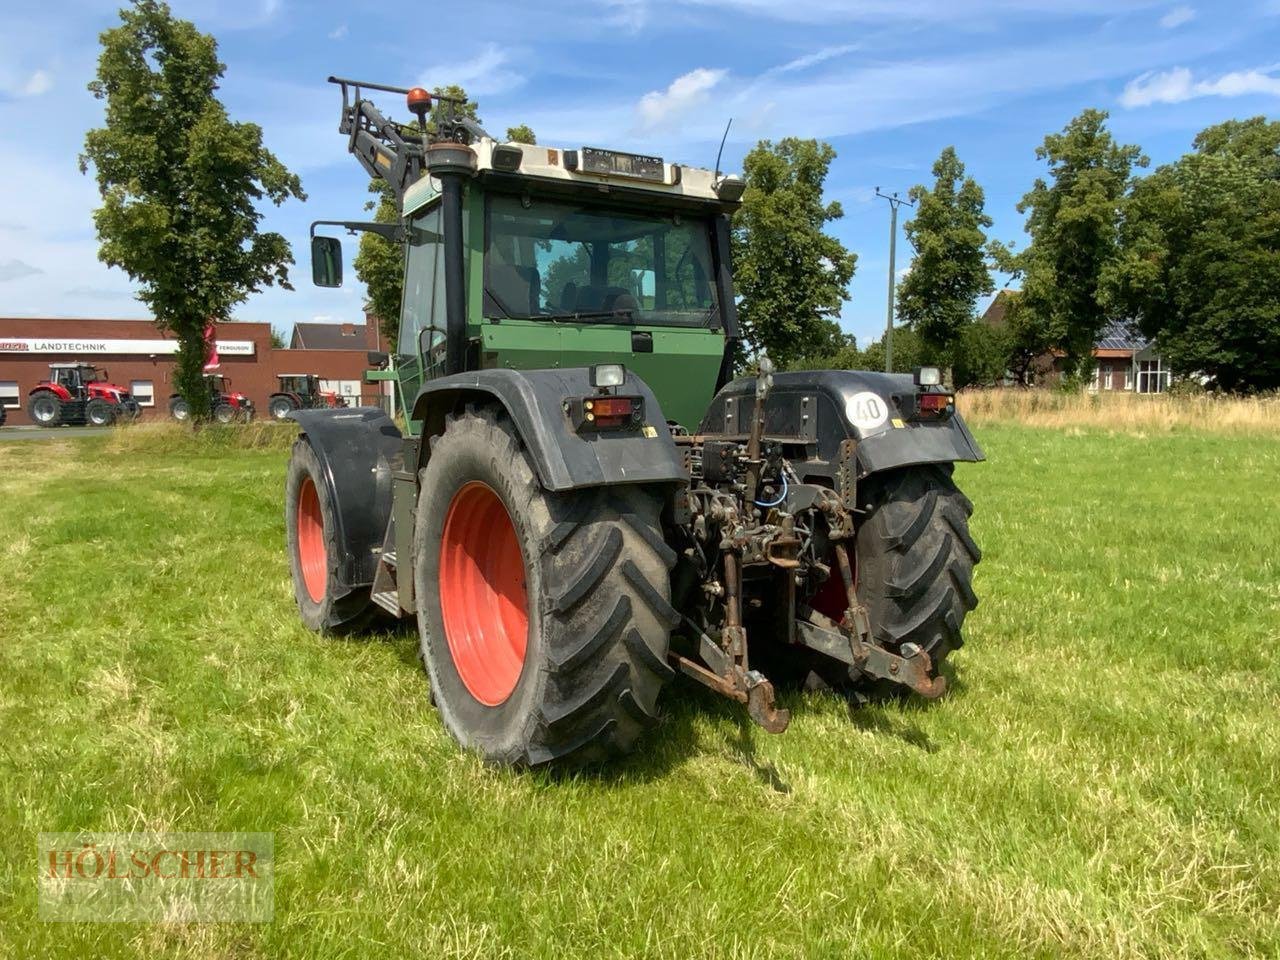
515 288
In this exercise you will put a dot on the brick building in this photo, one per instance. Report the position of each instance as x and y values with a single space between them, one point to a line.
140 358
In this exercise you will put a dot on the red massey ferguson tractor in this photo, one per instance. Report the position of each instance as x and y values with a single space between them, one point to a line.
226 405
301 391
79 393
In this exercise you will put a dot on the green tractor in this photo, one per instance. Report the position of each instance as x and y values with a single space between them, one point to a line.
585 503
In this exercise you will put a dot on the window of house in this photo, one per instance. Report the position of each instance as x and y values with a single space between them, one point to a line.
9 396
1152 377
1128 377
144 392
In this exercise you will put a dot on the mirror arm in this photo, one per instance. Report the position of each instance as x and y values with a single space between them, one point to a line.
389 231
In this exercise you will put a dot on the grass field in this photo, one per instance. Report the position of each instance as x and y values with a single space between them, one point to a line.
1104 780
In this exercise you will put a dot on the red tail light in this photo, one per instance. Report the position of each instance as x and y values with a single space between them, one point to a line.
605 412
608 411
933 403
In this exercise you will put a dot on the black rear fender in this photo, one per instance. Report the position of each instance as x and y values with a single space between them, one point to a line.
565 458
823 408
357 449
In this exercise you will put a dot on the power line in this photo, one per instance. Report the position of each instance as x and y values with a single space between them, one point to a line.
895 202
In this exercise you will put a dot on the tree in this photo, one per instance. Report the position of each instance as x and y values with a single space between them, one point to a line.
277 341
1073 220
790 275
1200 264
379 264
180 182
949 271
521 134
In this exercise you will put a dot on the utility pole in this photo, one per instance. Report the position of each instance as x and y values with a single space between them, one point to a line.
894 202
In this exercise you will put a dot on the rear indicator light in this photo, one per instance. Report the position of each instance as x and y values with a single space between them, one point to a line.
933 402
606 412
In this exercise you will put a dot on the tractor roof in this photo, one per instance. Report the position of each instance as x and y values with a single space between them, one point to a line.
589 168
297 375
82 365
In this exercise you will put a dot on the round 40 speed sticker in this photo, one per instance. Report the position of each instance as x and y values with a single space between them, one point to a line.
867 411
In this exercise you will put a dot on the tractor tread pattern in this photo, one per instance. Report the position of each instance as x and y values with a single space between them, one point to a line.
916 559
605 613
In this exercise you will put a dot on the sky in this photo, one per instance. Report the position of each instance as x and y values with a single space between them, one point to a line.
889 83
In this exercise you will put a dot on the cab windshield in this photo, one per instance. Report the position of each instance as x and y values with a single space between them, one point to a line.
557 260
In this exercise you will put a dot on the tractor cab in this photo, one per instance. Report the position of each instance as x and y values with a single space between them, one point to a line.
301 391
528 257
76 378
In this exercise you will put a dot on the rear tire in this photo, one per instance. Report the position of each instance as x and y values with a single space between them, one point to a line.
45 409
575 676
324 604
179 409
281 407
224 413
915 559
99 413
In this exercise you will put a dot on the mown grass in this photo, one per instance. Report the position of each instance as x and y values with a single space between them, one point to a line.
1103 781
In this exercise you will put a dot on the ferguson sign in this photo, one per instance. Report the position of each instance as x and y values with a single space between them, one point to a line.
226 348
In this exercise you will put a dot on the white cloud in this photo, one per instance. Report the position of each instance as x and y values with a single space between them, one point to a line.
631 15
661 107
817 57
1177 17
923 11
338 32
485 73
38 83
16 270
1178 85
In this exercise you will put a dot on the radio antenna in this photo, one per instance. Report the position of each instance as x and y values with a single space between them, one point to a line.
721 150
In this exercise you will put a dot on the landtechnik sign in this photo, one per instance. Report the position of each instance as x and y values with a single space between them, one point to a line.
226 348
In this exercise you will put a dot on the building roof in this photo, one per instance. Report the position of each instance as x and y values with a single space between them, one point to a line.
1120 336
328 336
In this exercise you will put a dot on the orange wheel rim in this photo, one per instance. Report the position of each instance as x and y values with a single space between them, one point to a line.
313 559
483 597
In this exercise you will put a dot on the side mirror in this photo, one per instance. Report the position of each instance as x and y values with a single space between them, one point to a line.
326 261
378 360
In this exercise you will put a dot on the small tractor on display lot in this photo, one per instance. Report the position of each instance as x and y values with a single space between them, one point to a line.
301 391
79 393
225 405
586 503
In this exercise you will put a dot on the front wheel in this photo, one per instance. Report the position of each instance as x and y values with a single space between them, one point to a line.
99 413
310 520
224 413
544 619
915 559
281 407
179 409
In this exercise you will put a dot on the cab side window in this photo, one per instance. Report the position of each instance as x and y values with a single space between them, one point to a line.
423 306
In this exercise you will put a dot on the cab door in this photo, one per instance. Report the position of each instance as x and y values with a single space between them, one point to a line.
421 344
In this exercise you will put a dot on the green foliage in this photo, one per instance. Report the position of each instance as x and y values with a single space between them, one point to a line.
180 182
277 341
1073 220
790 275
981 356
949 271
521 134
379 265
1200 263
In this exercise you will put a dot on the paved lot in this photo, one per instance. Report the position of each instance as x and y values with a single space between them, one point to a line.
45 433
